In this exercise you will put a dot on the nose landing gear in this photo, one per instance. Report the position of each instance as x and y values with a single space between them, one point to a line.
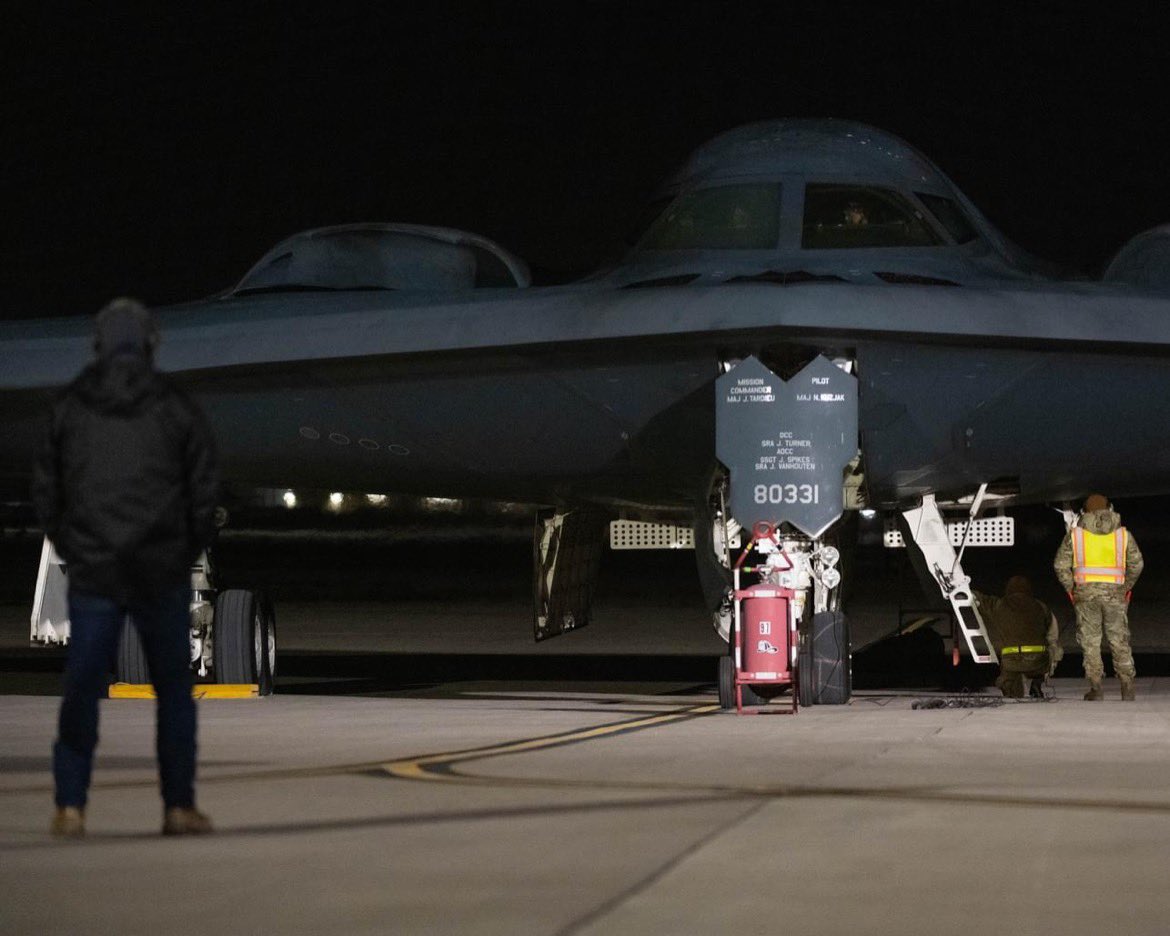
779 639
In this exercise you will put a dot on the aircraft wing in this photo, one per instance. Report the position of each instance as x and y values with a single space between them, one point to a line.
606 394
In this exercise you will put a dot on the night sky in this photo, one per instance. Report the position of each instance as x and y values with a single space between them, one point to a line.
161 157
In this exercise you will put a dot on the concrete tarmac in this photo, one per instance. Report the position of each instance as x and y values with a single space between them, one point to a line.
550 800
489 808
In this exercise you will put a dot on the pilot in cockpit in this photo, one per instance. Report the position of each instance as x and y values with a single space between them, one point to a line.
855 216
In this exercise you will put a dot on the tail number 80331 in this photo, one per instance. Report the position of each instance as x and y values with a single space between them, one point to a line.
787 493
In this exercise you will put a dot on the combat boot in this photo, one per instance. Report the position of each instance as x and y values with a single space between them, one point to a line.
185 820
68 822
1095 693
1127 693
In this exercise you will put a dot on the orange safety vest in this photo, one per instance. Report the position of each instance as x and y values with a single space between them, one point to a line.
1099 557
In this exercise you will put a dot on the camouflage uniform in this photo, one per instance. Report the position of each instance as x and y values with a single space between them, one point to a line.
1101 605
1019 620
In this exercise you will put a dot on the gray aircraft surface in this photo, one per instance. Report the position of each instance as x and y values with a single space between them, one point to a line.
407 359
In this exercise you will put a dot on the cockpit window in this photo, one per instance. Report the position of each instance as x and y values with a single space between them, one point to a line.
950 216
729 217
843 216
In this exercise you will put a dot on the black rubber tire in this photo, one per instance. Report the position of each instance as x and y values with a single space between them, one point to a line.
805 673
239 621
726 682
130 665
824 667
727 686
832 661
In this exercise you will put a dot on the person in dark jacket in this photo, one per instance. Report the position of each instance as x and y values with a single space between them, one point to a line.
126 487
1025 635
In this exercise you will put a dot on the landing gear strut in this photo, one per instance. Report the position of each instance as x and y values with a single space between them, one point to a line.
233 632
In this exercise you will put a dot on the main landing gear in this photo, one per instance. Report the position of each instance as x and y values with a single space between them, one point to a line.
233 632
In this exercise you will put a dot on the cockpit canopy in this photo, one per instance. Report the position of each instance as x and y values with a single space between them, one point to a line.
808 195
384 256
1144 261
746 216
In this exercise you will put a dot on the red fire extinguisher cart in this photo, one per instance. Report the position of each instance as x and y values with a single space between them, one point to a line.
765 644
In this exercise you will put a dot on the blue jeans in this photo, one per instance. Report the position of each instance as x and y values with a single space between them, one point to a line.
95 628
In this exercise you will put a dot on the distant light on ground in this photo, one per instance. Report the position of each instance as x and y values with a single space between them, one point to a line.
507 507
376 499
290 499
868 514
335 499
442 503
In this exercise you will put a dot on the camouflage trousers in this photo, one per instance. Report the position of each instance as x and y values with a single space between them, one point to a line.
1097 613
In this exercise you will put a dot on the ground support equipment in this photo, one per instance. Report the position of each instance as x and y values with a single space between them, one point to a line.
764 629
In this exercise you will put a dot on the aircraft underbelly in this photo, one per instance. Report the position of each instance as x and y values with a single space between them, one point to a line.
530 430
1054 423
635 421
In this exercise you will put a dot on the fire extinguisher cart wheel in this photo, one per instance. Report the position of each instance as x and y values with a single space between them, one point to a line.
727 684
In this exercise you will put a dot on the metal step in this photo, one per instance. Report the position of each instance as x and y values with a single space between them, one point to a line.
933 538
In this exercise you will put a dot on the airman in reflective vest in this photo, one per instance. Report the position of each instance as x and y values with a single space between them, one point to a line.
1098 564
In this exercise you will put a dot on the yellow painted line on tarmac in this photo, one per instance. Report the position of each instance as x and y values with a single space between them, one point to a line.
424 767
441 766
200 691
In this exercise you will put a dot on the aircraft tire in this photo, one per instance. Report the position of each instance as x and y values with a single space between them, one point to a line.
829 642
239 636
130 665
805 673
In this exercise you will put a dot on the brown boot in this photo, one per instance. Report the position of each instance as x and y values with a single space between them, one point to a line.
68 822
1095 693
184 820
1127 693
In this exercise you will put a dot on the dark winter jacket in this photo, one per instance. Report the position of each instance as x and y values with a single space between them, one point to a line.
126 482
1015 620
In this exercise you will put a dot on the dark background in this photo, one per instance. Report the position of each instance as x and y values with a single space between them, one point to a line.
161 156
